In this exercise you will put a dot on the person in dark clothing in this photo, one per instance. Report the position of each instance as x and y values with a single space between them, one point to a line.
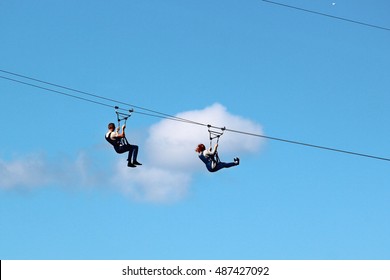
120 144
209 158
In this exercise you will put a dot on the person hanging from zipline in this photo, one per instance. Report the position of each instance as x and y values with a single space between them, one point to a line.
210 156
211 160
119 141
116 140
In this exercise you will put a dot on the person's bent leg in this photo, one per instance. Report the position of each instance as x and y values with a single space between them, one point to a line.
124 149
134 149
135 154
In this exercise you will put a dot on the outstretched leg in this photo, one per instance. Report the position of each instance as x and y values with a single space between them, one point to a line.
221 165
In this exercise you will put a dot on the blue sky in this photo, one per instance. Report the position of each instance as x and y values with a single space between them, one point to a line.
65 194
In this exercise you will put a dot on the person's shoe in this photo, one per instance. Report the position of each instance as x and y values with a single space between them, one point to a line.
136 163
129 164
237 161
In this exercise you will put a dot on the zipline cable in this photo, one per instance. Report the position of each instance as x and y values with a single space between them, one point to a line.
309 145
158 115
56 91
327 15
173 118
91 95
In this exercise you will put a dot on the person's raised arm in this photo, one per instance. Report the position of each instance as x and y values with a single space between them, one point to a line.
211 151
122 135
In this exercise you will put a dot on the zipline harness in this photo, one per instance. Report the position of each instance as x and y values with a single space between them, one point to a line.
123 117
215 133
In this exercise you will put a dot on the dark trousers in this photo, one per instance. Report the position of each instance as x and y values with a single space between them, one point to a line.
219 166
132 149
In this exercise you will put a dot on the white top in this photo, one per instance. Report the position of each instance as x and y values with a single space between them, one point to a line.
210 153
113 135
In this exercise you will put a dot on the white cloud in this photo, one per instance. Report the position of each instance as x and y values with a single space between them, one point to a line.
151 183
168 157
38 171
172 144
21 173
